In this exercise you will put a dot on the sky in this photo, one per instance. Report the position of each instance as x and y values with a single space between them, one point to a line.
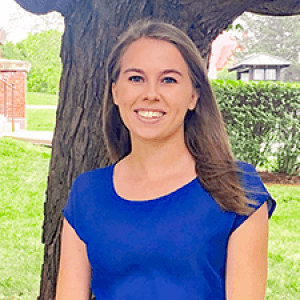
17 22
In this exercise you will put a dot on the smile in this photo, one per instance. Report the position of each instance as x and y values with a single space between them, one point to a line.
150 114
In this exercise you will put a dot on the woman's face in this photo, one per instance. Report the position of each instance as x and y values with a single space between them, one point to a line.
154 90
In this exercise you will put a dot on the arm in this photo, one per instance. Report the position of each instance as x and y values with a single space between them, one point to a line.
74 272
247 258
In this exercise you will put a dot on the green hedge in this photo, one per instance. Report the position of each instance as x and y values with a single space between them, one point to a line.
263 122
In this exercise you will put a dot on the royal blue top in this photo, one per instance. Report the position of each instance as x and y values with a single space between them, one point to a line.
173 247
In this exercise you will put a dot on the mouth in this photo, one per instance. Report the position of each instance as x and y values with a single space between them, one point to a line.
150 114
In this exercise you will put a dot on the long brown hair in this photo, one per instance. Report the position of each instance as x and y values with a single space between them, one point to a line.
204 130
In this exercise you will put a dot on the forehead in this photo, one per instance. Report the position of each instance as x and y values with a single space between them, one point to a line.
147 52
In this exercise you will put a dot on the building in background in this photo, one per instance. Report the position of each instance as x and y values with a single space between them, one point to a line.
261 66
12 92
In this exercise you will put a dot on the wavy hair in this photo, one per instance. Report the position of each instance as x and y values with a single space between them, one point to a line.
204 130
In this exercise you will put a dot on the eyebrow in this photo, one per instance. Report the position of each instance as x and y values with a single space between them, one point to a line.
167 71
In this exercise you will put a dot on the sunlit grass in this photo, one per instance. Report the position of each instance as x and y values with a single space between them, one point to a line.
40 119
284 236
23 177
41 99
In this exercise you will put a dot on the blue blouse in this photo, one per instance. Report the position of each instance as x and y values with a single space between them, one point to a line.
173 247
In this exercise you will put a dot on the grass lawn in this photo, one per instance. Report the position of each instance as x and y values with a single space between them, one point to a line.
23 183
41 99
40 119
23 178
284 236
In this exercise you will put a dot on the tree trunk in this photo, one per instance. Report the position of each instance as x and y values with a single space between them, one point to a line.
92 27
78 141
276 8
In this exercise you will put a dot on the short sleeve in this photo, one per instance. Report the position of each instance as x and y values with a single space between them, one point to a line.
74 208
255 190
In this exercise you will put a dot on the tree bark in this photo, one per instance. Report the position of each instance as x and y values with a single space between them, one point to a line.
92 27
276 8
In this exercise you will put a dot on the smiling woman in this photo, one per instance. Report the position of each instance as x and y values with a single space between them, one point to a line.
154 92
168 219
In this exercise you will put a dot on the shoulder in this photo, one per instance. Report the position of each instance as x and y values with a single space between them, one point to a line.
246 168
93 178
254 187
84 198
250 179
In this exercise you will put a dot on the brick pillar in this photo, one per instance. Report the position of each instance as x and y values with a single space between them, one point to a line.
14 73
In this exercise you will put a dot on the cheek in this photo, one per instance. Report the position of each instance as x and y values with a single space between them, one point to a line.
126 95
187 98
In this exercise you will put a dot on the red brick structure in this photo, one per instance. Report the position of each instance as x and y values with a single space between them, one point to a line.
13 74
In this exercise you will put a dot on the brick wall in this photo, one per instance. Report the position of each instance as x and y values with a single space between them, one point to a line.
19 79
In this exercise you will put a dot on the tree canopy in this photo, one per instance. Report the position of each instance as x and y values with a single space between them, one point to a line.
42 51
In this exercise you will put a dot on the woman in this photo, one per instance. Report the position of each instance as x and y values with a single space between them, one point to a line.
174 216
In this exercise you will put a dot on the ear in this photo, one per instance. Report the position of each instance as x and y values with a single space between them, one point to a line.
194 100
114 93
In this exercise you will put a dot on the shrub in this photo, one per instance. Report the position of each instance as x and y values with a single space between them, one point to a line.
262 119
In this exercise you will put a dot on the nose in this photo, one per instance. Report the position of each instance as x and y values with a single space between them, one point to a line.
152 91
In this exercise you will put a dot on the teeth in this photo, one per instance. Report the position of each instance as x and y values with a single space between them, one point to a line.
150 114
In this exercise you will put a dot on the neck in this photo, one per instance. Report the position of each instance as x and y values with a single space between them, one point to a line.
159 159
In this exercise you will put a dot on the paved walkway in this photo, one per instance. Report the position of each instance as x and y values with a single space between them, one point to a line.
35 137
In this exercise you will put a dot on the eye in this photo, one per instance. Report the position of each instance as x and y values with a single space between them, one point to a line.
169 80
135 78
